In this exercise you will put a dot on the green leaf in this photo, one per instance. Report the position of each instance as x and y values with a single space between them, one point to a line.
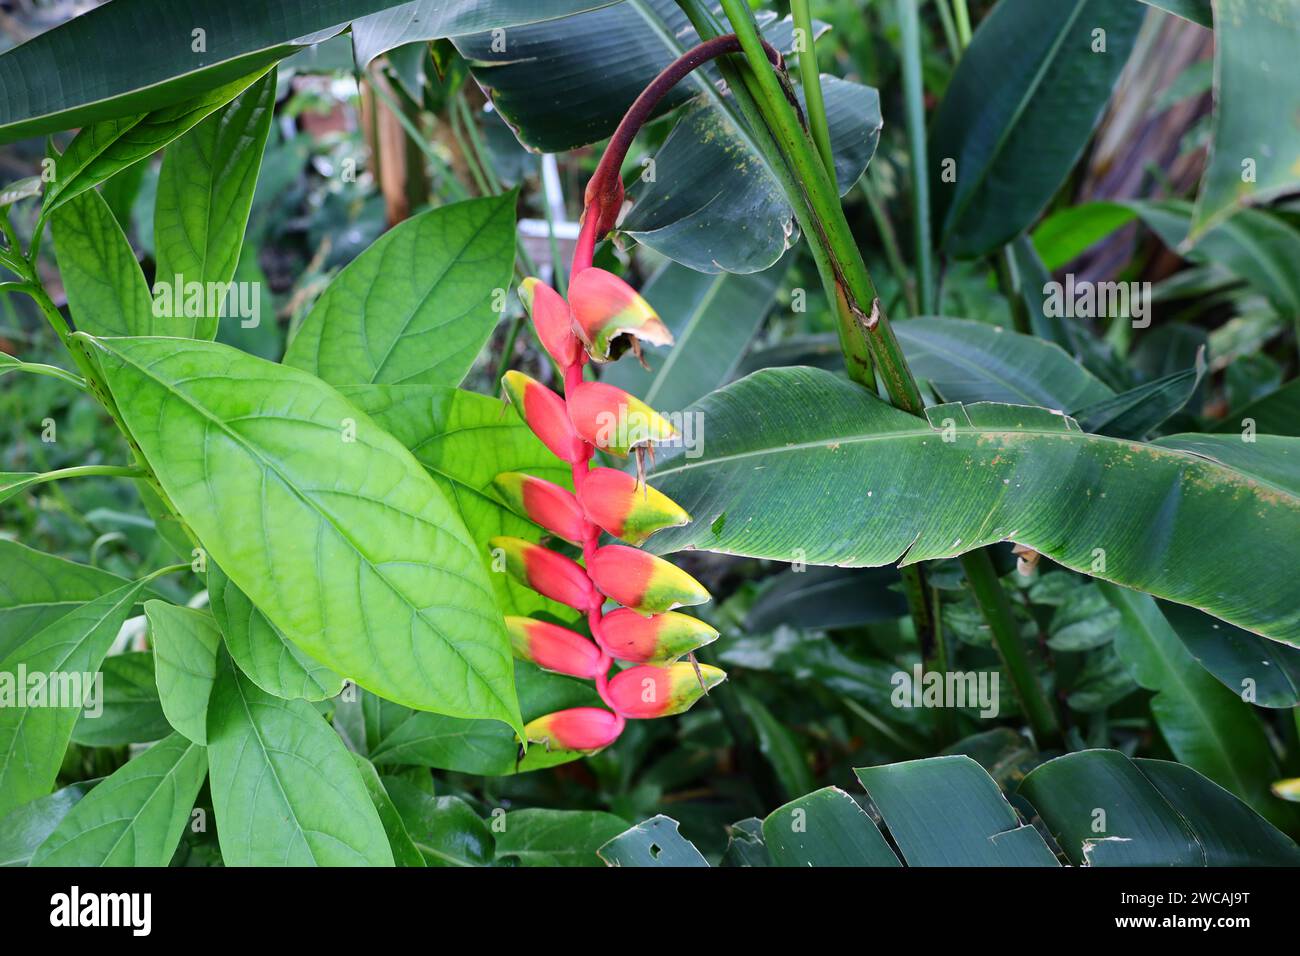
825 828
820 597
107 294
129 711
33 738
136 816
712 319
475 746
779 745
656 842
1255 110
205 192
1142 410
255 457
19 190
266 657
556 837
464 440
1277 413
947 811
38 589
106 148
969 361
784 442
745 846
1019 111
185 646
1106 810
1071 231
715 206
26 828
1254 668
432 19
405 852
1255 245
416 307
1208 727
445 830
285 790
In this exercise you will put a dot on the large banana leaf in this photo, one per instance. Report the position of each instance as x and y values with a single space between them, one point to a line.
710 201
1207 726
1256 151
799 463
1019 112
948 811
92 67
968 361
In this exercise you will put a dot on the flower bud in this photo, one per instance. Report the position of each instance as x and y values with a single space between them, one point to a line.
553 648
543 503
661 639
551 320
627 508
585 729
610 418
652 690
642 581
549 574
610 315
545 414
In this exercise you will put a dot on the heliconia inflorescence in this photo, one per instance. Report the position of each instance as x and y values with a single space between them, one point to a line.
602 319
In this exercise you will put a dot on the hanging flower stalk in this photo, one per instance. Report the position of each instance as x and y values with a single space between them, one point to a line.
603 319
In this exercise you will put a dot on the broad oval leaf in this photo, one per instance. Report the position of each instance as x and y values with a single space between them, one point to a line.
445 830
128 710
134 817
1266 672
537 837
205 192
323 519
416 307
27 827
285 790
34 736
1018 113
796 458
100 151
966 361
38 589
464 440
107 294
185 645
266 657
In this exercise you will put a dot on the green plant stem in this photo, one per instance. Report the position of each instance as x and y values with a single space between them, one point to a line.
476 141
827 221
457 188
996 608
86 471
963 22
949 29
53 371
812 84
947 717
1010 292
889 239
914 115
